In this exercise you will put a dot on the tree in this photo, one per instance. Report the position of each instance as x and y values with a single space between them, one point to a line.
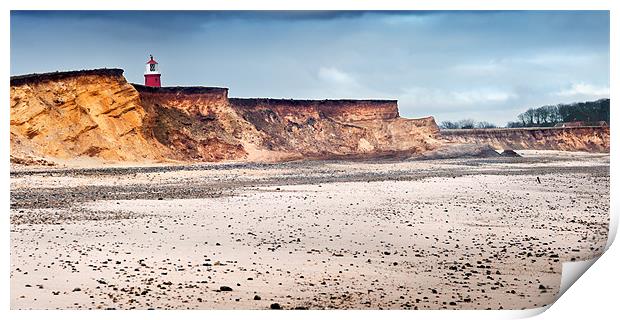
516 124
549 115
467 124
448 125
523 119
552 115
529 117
539 116
485 125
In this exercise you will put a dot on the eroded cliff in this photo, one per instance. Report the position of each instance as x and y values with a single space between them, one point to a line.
336 128
589 139
97 114
195 123
64 115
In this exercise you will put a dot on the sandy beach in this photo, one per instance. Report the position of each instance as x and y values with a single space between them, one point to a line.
476 233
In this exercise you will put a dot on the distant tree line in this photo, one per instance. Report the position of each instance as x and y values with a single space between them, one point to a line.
589 112
550 115
466 124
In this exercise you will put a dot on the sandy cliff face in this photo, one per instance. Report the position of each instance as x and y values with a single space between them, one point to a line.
335 128
97 114
87 113
201 124
590 139
195 123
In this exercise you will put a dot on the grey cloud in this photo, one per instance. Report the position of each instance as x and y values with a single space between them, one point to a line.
485 65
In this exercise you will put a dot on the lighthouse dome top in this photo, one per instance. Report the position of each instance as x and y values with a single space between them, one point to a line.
152 67
151 61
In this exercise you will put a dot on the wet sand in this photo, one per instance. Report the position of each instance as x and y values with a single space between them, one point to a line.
433 234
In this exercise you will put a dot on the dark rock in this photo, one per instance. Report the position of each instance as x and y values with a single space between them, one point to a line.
509 153
460 150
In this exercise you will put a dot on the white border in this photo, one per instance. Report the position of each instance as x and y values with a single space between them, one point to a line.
595 294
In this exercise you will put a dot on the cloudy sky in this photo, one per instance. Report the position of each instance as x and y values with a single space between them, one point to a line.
452 65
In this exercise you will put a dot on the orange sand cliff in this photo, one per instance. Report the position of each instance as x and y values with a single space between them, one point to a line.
97 114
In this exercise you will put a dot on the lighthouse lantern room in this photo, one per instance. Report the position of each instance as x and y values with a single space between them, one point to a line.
152 77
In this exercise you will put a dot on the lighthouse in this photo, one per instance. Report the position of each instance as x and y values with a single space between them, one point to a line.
152 75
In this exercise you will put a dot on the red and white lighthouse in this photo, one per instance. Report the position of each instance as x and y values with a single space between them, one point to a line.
152 77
